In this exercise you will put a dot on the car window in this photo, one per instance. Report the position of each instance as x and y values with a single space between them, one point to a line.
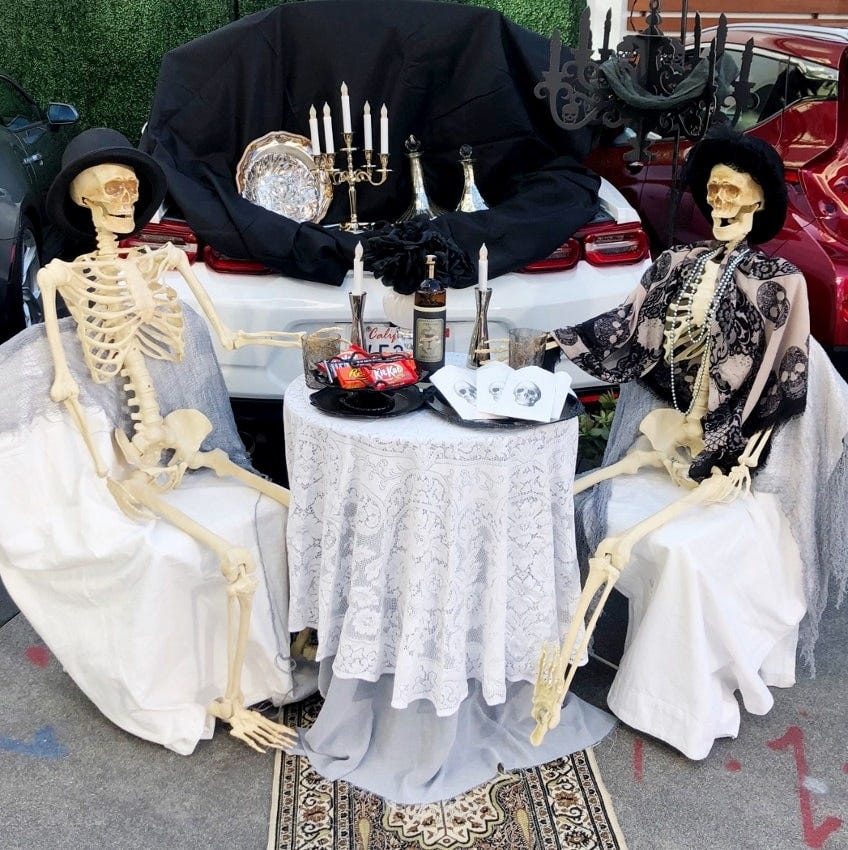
778 82
16 109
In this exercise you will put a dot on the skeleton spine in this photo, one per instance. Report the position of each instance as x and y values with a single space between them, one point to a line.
140 393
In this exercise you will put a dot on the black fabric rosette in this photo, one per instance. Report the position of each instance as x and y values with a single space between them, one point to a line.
396 254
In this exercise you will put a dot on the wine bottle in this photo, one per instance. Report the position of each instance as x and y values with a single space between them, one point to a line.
429 317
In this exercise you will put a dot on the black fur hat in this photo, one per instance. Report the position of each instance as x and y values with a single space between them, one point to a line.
95 147
724 146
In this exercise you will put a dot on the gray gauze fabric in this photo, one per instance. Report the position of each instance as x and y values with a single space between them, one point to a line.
618 74
26 367
412 755
807 469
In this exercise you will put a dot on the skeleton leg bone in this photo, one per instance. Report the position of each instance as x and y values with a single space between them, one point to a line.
237 567
218 461
630 463
221 464
555 673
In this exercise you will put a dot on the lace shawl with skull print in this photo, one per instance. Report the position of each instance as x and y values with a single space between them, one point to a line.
759 347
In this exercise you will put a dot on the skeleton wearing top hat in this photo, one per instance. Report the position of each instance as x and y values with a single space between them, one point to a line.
125 314
720 332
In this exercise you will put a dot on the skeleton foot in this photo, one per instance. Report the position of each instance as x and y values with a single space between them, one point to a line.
252 728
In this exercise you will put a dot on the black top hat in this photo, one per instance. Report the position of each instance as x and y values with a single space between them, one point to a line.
725 146
97 146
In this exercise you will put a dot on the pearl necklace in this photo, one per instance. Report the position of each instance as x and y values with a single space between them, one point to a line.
684 303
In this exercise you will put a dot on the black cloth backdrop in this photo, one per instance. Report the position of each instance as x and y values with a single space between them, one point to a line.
449 74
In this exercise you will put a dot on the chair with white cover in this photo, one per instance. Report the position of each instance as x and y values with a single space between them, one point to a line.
722 598
136 611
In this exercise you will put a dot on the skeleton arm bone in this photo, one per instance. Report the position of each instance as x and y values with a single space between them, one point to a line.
64 389
231 340
556 671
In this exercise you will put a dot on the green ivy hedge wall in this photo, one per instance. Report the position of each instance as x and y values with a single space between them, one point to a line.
103 55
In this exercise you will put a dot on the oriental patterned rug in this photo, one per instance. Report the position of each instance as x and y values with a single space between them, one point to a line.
557 806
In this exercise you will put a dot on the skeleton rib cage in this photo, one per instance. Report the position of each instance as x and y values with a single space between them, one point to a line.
121 308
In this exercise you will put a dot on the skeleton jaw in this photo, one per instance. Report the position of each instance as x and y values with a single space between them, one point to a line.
114 218
730 227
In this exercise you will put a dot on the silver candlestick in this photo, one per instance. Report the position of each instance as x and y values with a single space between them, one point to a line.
357 329
478 352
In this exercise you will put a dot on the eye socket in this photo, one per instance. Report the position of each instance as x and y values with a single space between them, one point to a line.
120 187
722 190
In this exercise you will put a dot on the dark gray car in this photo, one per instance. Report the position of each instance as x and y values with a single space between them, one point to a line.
32 140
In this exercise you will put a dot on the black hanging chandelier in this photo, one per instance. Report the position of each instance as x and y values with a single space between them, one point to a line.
650 82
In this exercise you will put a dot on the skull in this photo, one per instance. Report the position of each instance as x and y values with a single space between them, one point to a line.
495 390
467 391
110 192
526 394
734 197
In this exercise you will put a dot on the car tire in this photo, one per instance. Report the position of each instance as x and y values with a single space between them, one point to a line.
27 265
23 303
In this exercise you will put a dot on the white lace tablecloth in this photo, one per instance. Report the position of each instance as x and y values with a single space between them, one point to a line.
436 552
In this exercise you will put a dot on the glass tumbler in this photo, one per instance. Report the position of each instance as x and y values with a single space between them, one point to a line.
526 347
318 346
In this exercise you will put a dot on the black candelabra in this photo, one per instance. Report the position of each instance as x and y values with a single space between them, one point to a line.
654 84
651 82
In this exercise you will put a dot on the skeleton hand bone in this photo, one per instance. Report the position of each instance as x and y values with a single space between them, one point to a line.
548 693
128 503
678 471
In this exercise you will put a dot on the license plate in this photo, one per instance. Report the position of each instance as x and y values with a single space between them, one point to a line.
380 338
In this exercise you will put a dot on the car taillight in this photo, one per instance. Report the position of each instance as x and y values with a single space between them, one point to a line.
178 233
619 243
565 257
219 262
598 244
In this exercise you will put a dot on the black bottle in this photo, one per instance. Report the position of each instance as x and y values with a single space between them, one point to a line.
429 317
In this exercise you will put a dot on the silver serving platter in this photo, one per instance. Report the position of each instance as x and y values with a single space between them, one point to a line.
277 172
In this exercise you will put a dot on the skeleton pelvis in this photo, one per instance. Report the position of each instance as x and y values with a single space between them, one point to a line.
669 429
181 432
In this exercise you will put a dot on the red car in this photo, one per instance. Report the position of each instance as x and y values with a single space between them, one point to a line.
799 103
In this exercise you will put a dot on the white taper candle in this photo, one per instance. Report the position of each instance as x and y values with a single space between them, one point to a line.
313 131
483 268
368 143
346 125
384 129
329 147
357 269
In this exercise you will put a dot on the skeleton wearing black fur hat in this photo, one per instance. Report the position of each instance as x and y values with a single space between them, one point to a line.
720 332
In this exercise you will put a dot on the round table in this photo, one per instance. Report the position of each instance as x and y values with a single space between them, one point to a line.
434 560
437 552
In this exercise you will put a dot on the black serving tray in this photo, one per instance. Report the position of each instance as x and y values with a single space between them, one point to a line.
439 404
